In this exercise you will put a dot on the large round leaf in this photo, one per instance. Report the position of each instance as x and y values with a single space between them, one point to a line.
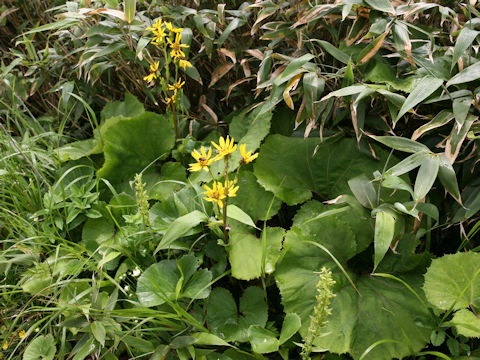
130 144
453 281
171 280
294 168
385 310
41 348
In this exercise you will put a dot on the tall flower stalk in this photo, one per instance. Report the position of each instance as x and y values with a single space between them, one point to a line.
220 191
168 39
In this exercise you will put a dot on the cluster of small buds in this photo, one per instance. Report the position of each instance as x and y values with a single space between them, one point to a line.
142 199
321 310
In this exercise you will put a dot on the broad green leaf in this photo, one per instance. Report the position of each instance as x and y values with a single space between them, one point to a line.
466 323
204 338
129 9
233 25
292 69
246 252
41 348
172 178
426 177
308 166
457 136
254 199
442 118
409 163
468 74
158 284
97 231
463 42
180 227
234 212
76 149
291 324
384 231
131 144
346 91
262 340
313 87
98 331
129 107
401 144
335 52
231 324
364 191
395 182
381 5
460 109
423 89
448 178
357 321
453 281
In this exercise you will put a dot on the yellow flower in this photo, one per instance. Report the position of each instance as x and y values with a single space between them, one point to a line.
176 47
247 156
230 188
176 86
159 37
22 334
173 29
215 194
5 345
184 64
171 100
203 159
153 74
156 26
225 147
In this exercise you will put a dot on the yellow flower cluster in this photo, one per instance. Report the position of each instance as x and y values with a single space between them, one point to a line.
225 147
218 192
153 72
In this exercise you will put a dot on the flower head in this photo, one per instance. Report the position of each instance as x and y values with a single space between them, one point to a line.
215 194
184 64
247 156
203 159
5 345
173 29
225 146
176 47
230 188
159 32
171 100
153 72
22 334
176 86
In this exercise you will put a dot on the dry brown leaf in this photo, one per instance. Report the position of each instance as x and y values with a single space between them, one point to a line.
256 53
236 83
116 13
229 54
210 112
292 84
375 49
219 73
299 114
246 67
312 14
353 112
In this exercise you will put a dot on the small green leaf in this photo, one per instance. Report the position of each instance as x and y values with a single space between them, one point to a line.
426 177
466 323
471 73
291 324
401 144
363 190
98 330
381 5
464 40
408 163
292 69
346 91
423 89
262 340
460 109
335 52
129 7
234 212
448 178
204 338
395 182
384 231
180 227
41 348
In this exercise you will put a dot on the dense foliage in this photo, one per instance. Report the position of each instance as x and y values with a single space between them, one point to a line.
282 179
